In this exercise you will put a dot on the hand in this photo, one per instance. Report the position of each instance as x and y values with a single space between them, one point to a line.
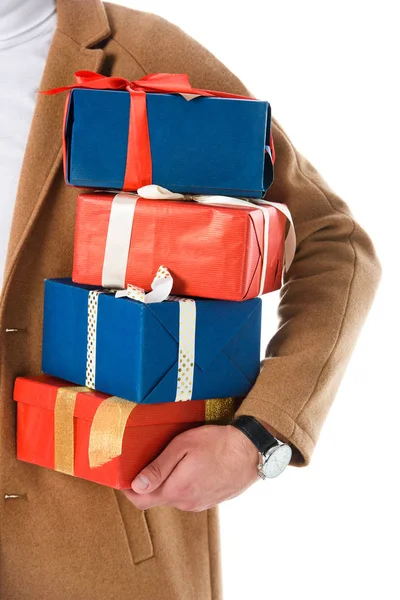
197 470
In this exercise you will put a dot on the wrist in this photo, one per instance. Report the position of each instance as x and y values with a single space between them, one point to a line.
245 445
274 456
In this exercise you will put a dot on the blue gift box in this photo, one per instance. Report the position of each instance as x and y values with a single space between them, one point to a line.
202 146
137 344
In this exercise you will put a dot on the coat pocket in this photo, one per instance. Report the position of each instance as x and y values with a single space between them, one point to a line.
136 528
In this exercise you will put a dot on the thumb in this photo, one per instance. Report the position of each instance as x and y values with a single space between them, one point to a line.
156 472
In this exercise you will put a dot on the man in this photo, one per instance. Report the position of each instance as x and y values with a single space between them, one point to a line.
64 538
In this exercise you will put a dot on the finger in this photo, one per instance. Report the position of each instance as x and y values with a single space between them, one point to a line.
152 476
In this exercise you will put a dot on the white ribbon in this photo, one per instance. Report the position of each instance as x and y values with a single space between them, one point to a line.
186 350
161 289
156 192
118 240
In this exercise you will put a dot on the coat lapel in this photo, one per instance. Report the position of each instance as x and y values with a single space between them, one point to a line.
43 155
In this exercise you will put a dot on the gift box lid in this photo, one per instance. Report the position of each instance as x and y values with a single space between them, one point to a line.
41 391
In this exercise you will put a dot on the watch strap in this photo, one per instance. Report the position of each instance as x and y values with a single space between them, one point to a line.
257 433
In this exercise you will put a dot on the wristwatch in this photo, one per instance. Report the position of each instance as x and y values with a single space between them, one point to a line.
274 456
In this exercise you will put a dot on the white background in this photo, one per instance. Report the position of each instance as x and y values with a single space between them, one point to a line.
329 69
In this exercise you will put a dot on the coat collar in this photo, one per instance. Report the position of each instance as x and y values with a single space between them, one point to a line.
80 25
83 21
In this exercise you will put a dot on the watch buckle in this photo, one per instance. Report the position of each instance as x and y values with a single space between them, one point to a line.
260 467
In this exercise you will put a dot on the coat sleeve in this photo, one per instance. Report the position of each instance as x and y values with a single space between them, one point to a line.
331 284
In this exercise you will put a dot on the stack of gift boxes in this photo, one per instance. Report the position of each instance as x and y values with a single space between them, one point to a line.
127 365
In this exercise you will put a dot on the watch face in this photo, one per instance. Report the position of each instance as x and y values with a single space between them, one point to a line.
277 461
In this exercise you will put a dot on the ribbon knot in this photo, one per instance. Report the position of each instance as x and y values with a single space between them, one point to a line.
161 287
156 83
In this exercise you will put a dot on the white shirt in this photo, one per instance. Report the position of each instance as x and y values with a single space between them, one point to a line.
26 31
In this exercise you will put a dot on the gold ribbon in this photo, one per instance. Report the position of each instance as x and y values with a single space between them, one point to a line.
64 428
108 426
107 430
109 423
219 410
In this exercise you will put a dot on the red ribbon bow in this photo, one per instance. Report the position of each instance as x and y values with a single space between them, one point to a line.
138 170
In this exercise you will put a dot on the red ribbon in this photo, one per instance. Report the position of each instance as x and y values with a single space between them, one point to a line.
138 170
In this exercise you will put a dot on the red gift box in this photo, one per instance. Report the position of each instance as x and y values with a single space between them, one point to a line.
210 251
77 431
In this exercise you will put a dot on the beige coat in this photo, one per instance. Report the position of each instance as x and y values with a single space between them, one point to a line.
67 539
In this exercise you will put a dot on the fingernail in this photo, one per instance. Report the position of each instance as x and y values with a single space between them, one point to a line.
141 482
